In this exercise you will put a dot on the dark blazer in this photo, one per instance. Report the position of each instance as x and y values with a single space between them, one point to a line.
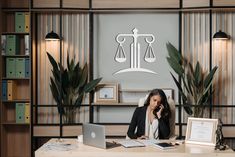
138 120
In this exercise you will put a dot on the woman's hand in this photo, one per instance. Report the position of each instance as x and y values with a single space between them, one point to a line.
143 137
160 111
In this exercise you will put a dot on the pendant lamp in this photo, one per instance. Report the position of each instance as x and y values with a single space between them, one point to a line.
220 35
52 36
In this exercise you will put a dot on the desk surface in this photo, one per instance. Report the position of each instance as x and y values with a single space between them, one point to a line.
88 151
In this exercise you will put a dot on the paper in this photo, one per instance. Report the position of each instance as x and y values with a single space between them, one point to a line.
148 142
201 131
131 143
59 146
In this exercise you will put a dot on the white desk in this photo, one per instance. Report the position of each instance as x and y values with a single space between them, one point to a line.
149 151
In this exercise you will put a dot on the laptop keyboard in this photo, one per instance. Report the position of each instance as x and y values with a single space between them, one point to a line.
112 145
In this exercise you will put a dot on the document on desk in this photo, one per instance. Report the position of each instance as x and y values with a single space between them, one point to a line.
148 142
131 143
59 146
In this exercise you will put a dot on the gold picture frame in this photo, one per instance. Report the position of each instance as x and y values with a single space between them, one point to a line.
201 131
107 93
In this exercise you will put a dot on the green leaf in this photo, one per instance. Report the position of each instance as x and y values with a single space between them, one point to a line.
77 72
56 96
53 62
176 66
187 109
179 86
84 76
197 74
78 101
174 53
189 81
209 77
68 62
65 80
91 85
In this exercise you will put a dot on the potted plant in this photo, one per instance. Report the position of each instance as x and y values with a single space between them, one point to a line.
68 86
195 84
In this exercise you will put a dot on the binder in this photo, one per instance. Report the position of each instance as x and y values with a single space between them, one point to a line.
10 67
4 90
3 44
20 67
11 86
27 72
20 22
27 22
20 113
27 113
12 45
26 44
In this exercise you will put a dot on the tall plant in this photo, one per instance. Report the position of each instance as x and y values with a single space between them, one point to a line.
195 86
69 85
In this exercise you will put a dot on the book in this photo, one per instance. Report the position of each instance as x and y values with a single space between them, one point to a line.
27 113
11 86
19 22
4 90
12 44
27 69
27 22
26 44
10 67
3 43
20 113
164 145
20 68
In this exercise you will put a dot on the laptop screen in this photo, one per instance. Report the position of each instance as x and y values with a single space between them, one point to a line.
94 135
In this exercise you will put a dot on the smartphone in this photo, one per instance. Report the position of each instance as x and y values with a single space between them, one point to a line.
157 109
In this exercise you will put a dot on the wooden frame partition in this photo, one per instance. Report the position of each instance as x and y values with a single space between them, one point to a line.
97 4
8 7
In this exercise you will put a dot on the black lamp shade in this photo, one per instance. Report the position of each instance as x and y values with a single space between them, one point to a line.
220 35
52 36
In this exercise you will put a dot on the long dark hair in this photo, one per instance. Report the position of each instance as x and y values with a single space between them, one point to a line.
164 102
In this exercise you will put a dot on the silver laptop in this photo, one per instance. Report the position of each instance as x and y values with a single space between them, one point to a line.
94 135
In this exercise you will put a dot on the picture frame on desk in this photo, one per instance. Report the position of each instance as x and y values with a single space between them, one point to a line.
201 131
106 93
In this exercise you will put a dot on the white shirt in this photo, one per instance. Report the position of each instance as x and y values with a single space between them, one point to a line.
151 130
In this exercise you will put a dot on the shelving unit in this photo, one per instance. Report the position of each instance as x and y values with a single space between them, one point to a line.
15 80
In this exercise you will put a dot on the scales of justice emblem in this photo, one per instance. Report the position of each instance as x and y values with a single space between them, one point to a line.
149 55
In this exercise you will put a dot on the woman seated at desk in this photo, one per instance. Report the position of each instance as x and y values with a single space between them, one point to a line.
151 121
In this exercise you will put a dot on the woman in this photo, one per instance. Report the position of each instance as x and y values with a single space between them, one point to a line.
151 121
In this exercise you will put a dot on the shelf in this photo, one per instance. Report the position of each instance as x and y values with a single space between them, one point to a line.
15 9
13 101
14 123
13 56
4 78
124 104
14 33
134 90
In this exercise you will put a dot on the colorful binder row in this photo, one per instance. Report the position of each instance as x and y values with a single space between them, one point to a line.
22 24
11 44
22 113
17 67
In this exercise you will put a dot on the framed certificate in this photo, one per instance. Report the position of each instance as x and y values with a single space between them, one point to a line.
107 93
201 131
